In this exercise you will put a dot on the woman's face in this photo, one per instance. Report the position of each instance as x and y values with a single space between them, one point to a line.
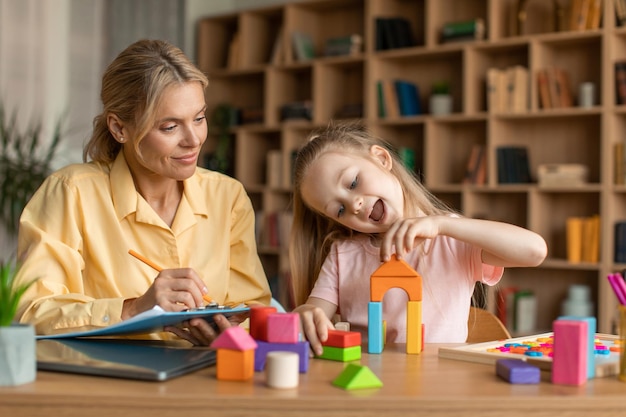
357 192
171 148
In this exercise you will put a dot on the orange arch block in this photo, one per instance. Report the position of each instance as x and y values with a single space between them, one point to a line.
395 273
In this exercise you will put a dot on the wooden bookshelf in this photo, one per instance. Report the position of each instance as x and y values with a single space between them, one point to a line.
441 144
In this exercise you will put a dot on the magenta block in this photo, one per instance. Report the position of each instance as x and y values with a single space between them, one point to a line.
283 327
569 361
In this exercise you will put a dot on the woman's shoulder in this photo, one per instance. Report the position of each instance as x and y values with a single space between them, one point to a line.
207 176
79 172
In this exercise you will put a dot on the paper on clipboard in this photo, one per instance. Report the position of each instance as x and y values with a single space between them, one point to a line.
150 321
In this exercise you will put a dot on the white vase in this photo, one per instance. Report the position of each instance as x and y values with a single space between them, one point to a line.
440 104
18 358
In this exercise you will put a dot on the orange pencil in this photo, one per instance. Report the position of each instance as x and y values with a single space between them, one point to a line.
159 269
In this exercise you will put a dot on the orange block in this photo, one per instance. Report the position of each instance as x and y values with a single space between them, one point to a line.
395 273
235 365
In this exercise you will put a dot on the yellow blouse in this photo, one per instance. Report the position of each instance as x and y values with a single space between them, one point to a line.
76 232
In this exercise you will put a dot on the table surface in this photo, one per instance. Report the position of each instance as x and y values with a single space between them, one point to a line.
413 385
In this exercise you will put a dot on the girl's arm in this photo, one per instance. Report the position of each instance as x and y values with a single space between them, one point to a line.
502 244
315 317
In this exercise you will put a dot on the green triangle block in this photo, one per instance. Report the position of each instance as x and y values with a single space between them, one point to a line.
356 377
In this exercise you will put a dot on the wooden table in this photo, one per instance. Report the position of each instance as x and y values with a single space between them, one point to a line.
414 385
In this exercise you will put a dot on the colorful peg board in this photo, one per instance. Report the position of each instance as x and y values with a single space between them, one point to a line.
489 352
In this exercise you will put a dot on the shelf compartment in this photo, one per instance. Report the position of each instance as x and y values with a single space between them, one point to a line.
562 138
540 18
452 142
414 11
338 90
242 90
260 33
215 35
546 206
253 147
423 68
550 287
288 86
509 207
403 137
323 20
448 11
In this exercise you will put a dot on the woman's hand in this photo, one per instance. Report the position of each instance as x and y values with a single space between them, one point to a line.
315 324
172 290
199 332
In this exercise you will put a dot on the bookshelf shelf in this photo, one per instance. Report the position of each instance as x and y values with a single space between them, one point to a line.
252 63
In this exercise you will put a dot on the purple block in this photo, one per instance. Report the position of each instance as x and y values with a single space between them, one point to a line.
517 371
263 348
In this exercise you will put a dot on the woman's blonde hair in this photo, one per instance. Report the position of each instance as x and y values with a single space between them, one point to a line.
312 233
132 87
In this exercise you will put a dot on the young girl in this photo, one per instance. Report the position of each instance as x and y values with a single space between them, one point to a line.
355 205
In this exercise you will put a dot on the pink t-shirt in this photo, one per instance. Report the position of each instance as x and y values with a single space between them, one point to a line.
449 269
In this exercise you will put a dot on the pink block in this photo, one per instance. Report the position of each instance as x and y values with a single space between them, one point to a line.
283 327
569 362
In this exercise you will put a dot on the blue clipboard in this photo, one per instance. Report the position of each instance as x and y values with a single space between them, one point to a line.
151 321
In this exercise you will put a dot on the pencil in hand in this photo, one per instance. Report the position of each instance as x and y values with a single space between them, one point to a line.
157 268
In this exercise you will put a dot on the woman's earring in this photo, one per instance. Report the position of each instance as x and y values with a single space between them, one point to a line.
121 140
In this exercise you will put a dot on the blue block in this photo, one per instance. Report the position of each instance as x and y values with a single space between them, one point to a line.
591 345
516 371
375 327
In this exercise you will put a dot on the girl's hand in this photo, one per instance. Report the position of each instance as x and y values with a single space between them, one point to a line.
407 234
315 324
172 290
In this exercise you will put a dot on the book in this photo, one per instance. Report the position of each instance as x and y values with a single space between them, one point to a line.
150 321
496 90
303 46
517 89
408 97
618 163
380 98
544 89
574 238
594 16
564 87
620 82
391 98
465 29
620 12
513 165
619 250
475 163
579 10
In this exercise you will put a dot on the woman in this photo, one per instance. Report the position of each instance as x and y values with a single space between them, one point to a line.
140 189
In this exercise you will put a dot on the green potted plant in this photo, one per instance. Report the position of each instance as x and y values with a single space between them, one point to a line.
24 163
18 360
440 99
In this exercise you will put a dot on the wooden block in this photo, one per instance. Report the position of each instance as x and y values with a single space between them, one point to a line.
356 376
517 371
235 365
347 354
342 339
282 369
283 327
258 321
414 327
375 327
263 348
591 342
569 362
234 338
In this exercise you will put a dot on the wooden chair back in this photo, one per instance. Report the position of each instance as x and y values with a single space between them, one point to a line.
484 326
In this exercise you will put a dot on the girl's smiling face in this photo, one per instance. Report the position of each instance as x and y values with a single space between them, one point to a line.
359 193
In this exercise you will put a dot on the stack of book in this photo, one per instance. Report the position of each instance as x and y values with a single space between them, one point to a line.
463 30
555 90
583 238
513 166
398 98
517 309
344 45
508 89
393 33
